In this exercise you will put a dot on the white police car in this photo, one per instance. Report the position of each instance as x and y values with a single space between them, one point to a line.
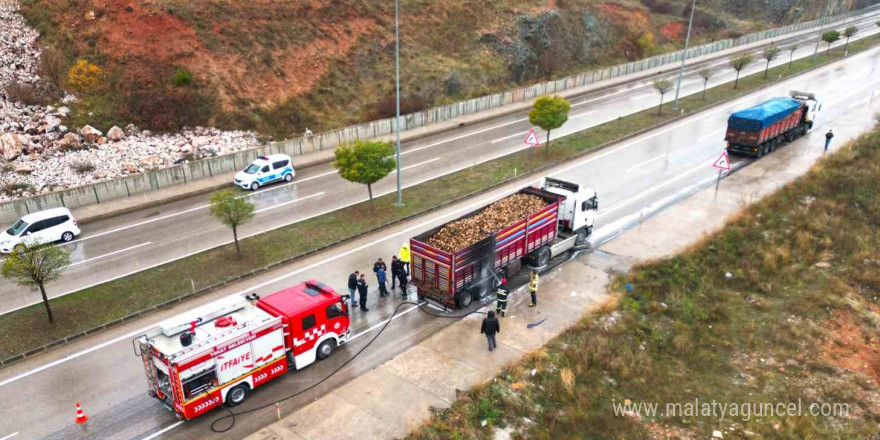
265 170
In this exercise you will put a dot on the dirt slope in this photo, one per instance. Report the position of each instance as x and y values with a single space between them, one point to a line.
281 66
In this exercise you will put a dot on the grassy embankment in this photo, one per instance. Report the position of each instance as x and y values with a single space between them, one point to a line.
28 328
798 320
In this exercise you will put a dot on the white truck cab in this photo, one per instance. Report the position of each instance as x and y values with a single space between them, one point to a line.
577 215
265 170
812 105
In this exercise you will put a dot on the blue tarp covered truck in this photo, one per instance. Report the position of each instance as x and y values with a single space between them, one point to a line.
760 129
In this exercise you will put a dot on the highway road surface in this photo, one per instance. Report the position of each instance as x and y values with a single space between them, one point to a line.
633 179
133 242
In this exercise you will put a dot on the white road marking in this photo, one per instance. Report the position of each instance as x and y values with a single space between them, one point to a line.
413 150
653 189
417 165
299 199
713 134
512 136
9 436
646 162
380 324
582 114
311 178
169 428
110 254
469 207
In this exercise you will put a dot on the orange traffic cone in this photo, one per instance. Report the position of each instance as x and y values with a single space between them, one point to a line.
81 417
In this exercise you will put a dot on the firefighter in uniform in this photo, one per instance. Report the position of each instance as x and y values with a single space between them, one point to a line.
533 288
501 297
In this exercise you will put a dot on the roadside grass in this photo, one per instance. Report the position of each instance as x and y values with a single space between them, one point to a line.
796 321
26 329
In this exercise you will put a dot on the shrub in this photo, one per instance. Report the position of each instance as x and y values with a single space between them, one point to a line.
166 110
84 76
182 77
82 166
12 188
30 94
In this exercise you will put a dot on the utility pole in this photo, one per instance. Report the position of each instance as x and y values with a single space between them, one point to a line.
397 93
687 40
821 28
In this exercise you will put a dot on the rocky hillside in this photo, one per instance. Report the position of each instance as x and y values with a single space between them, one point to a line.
279 67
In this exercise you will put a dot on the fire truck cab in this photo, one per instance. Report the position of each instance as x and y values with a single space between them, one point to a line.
218 353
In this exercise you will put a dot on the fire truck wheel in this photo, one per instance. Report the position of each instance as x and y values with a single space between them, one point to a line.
326 349
237 395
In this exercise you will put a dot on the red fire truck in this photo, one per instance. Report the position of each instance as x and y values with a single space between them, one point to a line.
220 352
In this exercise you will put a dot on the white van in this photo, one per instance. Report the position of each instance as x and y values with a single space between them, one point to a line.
46 226
265 170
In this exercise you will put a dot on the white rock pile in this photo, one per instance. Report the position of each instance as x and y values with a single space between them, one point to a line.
39 153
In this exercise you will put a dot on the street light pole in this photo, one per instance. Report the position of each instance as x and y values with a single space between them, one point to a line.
687 40
821 28
397 94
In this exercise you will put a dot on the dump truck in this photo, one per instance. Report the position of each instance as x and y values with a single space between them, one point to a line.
760 129
455 277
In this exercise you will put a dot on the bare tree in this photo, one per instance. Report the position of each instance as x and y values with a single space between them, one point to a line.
663 87
791 50
739 63
705 74
36 265
770 54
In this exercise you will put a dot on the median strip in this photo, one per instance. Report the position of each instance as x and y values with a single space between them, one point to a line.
100 306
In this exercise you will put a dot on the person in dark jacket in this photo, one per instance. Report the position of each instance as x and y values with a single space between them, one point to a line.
396 269
489 328
362 290
828 137
379 264
402 278
352 287
381 278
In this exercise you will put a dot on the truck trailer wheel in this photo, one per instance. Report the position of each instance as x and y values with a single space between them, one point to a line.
464 299
326 349
238 394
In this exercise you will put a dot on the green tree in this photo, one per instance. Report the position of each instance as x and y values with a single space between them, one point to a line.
36 265
769 54
365 162
848 33
663 87
84 76
830 37
705 74
739 63
549 113
232 211
791 50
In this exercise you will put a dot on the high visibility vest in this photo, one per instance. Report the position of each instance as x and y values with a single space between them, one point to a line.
533 283
404 254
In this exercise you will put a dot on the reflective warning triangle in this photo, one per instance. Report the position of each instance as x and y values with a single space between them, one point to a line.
532 139
722 163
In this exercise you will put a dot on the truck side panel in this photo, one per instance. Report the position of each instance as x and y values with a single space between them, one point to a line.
430 268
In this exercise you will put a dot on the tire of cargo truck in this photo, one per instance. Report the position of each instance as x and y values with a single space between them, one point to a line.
326 348
541 257
582 235
464 298
237 395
